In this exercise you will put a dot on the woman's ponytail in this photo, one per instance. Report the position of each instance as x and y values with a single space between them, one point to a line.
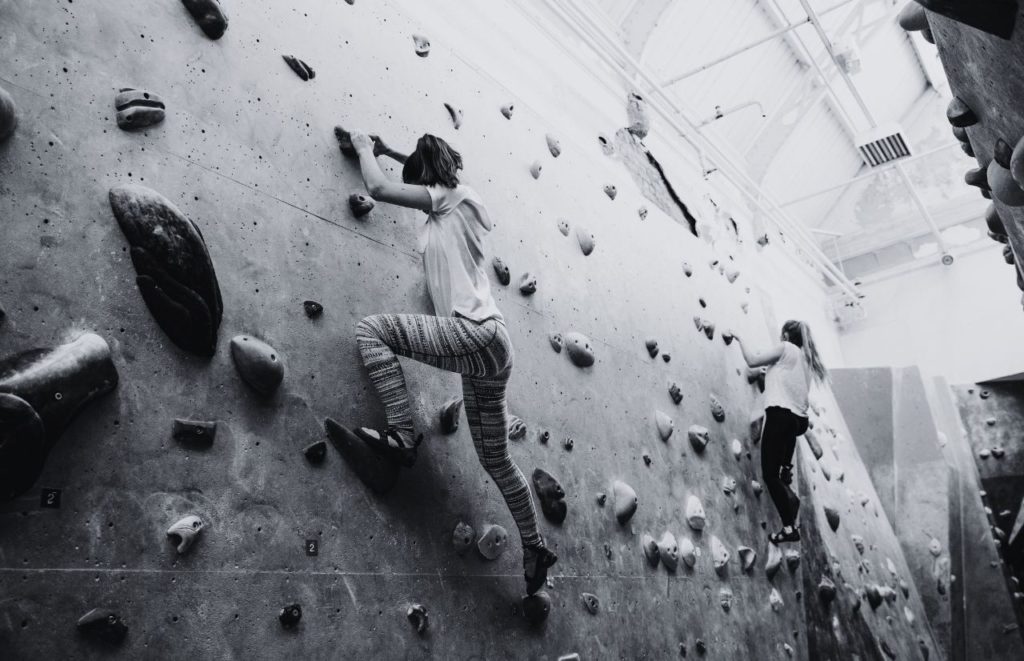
799 333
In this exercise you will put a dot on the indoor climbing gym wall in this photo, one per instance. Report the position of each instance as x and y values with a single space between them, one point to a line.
185 255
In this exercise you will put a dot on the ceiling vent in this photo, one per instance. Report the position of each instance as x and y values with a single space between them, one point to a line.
882 145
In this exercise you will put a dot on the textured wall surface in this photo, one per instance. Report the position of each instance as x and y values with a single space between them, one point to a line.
247 152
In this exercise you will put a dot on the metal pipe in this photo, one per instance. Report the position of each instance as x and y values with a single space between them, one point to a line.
719 113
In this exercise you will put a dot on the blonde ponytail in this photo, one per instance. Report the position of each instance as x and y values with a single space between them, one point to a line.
799 333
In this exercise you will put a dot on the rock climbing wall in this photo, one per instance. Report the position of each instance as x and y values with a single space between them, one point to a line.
243 146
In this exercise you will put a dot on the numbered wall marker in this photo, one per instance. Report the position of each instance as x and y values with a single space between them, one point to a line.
49 498
312 547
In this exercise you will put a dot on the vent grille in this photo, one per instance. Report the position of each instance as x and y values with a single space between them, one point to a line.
883 147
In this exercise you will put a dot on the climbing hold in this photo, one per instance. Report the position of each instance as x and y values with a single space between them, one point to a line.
607 147
728 485
998 452
360 204
450 413
174 273
462 537
186 530
874 596
492 542
737 449
887 593
699 437
555 339
688 270
960 114
725 598
602 498
1004 187
719 555
665 425
991 422
792 557
195 433
775 600
905 588
788 649
563 226
41 390
773 562
313 309
136 109
516 428
611 191
912 17
417 615
590 602
717 410
316 452
675 393
535 169
701 647
935 547
301 69
257 363
731 274
551 495
578 347
762 240
636 113
858 543
585 239
695 516
1002 153
652 347
507 109
668 551
646 457
209 15
625 501
422 45
1016 159
832 515
687 552
650 548
709 329
727 337
553 145
8 115
642 212
568 443
502 271
455 114
536 607
373 469
977 177
665 357
756 487
290 616
103 624
826 590
748 557
813 444
527 284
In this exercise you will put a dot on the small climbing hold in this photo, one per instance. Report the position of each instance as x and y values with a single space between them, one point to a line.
625 501
591 602
826 590
687 552
775 600
858 543
501 270
516 428
642 212
650 549
832 515
762 240
665 425
788 649
984 394
699 437
507 109
636 114
611 191
136 109
450 413
874 596
773 562
569 657
257 363
756 487
585 239
606 146
719 555
535 169
727 337
998 452
374 470
652 347
463 537
748 557
568 444
536 607
551 496
675 393
527 284
553 145
646 457
290 616
717 410
665 357
103 624
563 226
935 547
984 453
417 615
960 114
905 588
360 204
887 593
196 433
736 448
578 347
316 452
422 45
709 329
492 542
728 485
701 647
602 498
991 422
555 339
186 529
455 114
301 69
688 270
209 15
731 274
695 516
313 309
725 598
792 557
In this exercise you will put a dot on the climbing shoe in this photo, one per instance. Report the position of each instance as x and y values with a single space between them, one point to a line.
536 560
782 536
391 443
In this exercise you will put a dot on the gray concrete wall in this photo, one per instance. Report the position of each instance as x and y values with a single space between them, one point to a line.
247 152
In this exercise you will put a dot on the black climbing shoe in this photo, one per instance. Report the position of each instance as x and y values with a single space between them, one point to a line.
782 536
536 560
402 452
786 474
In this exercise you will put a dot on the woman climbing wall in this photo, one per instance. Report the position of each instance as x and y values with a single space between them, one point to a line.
791 365
466 336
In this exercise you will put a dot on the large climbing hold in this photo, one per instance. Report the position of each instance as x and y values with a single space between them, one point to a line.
586 240
257 363
104 625
551 495
636 114
185 530
173 270
136 109
375 471
913 17
993 16
492 542
719 555
8 115
450 413
1004 187
209 15
699 437
664 424
832 516
536 607
421 44
687 552
773 562
417 616
668 550
960 114
577 345
695 516
625 501
41 391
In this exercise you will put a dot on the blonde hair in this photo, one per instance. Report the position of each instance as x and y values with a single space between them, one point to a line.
799 333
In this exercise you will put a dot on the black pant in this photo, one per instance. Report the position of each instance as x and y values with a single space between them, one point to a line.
778 443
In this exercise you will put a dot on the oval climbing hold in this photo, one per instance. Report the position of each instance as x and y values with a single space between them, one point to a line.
360 204
719 555
257 363
501 270
209 15
506 110
554 146
563 226
668 551
650 549
695 516
625 501
195 433
717 410
636 114
492 542
136 109
556 342
664 424
736 448
585 239
960 114
591 602
578 347
551 496
687 552
687 269
421 45
186 529
535 169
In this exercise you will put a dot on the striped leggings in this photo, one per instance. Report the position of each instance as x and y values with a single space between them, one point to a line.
482 354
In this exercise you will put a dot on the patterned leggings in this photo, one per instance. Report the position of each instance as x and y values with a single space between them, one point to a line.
482 354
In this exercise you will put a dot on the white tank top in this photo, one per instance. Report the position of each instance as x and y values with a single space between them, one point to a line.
788 381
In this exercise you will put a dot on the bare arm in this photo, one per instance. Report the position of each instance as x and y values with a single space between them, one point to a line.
380 187
762 358
381 148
